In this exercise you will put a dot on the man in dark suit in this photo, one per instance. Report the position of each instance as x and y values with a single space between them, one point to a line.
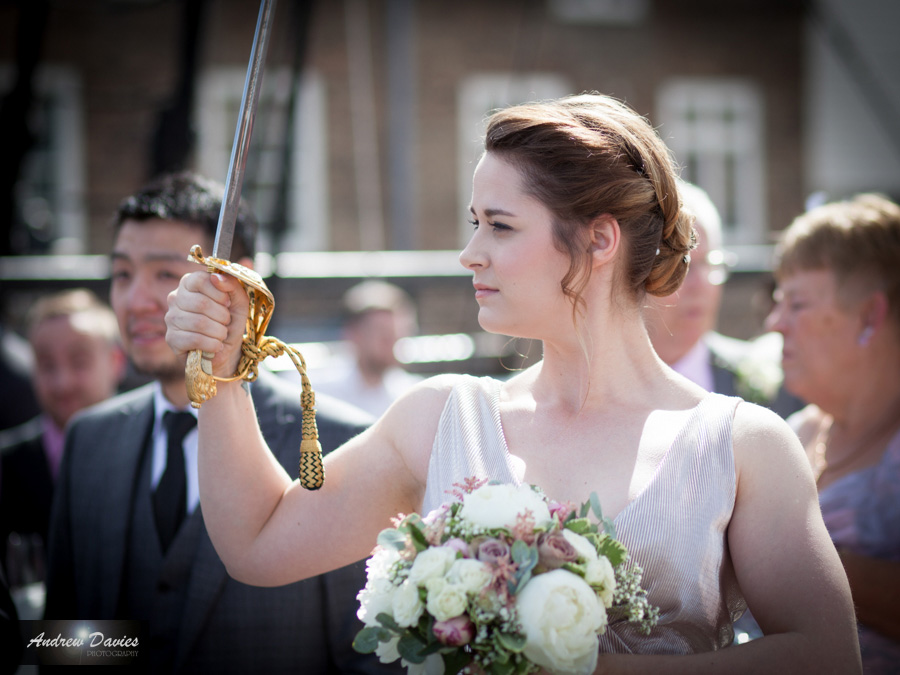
74 340
682 325
117 551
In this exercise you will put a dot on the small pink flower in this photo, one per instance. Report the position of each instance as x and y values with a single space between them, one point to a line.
455 632
458 545
561 509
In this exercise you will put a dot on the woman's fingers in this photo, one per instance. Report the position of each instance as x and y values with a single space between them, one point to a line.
208 312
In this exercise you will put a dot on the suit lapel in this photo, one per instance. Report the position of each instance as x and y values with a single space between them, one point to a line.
125 436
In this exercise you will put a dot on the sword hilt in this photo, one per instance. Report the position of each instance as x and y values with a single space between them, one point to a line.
256 346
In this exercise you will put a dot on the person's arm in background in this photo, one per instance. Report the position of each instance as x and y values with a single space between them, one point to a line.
875 585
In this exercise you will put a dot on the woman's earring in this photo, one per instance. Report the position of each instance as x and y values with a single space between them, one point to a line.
865 336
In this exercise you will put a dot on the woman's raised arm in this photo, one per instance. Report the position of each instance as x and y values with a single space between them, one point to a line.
266 528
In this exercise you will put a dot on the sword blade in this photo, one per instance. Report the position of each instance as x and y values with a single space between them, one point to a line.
241 146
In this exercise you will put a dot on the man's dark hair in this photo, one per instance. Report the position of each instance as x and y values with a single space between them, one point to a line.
193 199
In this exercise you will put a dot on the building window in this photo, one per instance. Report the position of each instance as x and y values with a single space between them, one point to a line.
479 95
602 12
303 166
50 215
714 128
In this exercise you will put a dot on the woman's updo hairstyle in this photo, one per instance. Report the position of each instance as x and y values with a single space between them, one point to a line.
589 155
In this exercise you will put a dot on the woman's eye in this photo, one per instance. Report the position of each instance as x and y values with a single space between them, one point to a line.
473 223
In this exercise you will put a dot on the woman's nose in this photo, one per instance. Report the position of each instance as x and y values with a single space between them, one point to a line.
471 256
773 321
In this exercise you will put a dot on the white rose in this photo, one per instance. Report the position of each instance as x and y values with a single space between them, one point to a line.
492 506
374 599
387 651
406 605
584 548
561 616
445 600
383 558
432 562
602 577
433 665
473 575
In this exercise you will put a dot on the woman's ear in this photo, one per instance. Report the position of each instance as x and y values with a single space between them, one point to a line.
874 314
605 239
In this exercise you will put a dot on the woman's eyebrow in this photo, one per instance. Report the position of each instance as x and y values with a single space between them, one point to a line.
490 213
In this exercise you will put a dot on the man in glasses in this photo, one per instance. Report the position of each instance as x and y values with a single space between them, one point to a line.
682 325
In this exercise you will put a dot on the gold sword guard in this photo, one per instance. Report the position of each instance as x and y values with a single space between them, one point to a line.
201 383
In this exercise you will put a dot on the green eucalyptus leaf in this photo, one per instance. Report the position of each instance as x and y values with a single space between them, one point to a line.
505 667
392 538
526 559
513 642
411 648
455 661
418 537
366 641
387 621
595 506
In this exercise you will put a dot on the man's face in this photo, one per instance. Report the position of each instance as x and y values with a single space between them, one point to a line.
74 366
677 322
148 260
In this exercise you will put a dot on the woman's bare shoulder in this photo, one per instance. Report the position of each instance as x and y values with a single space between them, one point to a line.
764 445
412 420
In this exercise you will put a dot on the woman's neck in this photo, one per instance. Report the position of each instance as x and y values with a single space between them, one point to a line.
614 362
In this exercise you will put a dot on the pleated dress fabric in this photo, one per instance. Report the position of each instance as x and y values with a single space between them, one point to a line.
675 529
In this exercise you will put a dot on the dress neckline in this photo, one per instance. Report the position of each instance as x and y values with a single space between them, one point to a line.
512 461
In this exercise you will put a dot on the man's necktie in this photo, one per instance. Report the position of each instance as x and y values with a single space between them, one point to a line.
170 496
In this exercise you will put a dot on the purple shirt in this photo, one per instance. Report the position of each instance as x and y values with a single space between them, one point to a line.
53 439
862 514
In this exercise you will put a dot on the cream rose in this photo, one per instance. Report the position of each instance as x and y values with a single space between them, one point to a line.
374 599
406 606
561 617
387 651
492 506
473 575
601 576
376 596
584 548
445 600
432 562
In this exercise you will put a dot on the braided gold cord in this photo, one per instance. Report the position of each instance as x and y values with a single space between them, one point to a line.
256 346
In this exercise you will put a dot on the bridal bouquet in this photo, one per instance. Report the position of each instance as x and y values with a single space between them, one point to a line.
502 580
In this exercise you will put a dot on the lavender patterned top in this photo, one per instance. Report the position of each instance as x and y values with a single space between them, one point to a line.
675 529
862 514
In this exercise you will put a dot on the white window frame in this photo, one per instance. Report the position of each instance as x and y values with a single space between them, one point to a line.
478 96
58 88
715 129
219 97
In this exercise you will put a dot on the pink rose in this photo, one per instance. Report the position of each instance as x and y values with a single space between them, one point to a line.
458 545
561 509
492 551
554 550
455 632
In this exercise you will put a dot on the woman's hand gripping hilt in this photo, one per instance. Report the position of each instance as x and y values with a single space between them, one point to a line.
201 383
